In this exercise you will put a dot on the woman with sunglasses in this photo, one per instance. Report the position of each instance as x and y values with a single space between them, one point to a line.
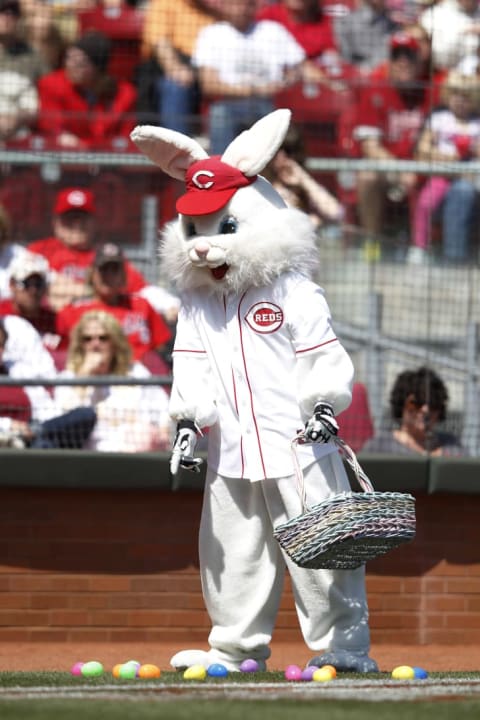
130 417
418 402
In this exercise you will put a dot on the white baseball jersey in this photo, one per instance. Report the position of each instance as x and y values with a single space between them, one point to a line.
253 342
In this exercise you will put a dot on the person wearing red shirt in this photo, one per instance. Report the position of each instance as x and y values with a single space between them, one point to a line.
388 122
313 31
144 328
305 20
83 107
28 286
70 251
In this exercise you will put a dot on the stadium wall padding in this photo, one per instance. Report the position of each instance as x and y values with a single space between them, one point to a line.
104 548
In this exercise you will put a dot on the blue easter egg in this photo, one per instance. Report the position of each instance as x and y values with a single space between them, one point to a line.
217 670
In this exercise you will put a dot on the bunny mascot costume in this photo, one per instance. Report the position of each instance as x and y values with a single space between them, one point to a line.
255 360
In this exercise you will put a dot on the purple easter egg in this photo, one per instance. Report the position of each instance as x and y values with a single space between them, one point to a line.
308 672
249 665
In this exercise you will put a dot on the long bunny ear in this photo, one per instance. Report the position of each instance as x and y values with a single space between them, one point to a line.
172 151
253 149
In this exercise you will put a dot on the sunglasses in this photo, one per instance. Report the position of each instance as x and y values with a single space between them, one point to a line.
100 338
38 283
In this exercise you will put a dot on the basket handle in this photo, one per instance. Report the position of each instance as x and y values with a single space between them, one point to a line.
344 450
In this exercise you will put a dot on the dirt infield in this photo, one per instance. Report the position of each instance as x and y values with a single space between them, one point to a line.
61 656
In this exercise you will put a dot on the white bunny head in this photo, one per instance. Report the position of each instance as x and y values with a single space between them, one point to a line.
234 230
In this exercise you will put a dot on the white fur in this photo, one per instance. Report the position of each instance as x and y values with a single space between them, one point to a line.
173 152
270 240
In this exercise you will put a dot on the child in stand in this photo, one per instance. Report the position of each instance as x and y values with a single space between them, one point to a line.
451 134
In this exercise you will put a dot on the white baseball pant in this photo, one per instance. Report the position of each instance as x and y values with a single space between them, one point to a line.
243 567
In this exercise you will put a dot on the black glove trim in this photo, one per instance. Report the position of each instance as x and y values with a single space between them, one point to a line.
186 424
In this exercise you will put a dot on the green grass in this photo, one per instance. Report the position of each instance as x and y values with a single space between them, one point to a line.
82 709
146 706
56 678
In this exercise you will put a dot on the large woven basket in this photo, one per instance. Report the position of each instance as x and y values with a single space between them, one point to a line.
348 529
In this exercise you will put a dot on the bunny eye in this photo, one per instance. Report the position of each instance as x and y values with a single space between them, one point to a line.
190 229
228 226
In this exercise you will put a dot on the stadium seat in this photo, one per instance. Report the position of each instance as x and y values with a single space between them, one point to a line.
356 425
123 25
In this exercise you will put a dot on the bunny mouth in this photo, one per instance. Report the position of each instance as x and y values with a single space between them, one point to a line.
220 271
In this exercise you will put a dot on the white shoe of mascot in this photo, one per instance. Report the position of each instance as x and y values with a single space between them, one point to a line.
255 360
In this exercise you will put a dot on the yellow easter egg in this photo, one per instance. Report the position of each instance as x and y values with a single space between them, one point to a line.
195 672
323 674
332 669
403 672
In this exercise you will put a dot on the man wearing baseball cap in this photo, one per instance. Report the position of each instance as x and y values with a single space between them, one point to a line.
71 249
389 118
145 329
28 286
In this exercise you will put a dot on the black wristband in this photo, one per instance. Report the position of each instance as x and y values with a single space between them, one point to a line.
186 424
323 408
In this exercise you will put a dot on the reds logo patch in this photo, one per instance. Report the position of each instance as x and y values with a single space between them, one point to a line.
264 317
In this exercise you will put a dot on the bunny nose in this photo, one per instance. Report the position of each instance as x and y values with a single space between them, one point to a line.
201 248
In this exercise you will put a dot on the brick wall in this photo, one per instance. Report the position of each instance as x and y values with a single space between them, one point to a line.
104 565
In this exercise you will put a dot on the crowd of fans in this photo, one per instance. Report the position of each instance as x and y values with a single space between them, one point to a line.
73 308
408 69
212 67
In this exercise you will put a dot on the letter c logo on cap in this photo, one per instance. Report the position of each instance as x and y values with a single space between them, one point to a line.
203 185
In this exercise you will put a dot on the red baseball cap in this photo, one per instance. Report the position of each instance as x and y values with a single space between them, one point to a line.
210 185
404 41
74 199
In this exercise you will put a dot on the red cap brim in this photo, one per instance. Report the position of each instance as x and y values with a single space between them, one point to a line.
198 202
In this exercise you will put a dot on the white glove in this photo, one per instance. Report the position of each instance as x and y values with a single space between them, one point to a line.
322 426
184 447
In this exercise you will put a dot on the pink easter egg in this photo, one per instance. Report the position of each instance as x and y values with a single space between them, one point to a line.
77 668
293 672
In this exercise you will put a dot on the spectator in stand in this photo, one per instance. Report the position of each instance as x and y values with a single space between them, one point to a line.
41 32
418 402
389 119
28 416
313 31
144 328
81 106
429 74
363 35
20 69
71 249
168 86
454 26
9 251
15 54
130 418
28 286
242 64
288 175
451 133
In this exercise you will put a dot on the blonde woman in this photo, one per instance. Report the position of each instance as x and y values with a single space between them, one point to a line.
130 418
